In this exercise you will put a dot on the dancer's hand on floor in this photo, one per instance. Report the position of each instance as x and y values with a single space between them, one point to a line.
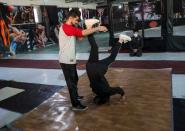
123 99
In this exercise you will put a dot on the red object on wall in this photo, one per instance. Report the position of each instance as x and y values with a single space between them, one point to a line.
153 24
10 8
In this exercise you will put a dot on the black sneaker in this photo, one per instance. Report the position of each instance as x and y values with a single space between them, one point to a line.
80 107
80 97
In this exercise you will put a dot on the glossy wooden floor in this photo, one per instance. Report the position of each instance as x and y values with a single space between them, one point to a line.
148 106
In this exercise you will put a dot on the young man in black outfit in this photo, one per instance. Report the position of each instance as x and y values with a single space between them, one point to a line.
96 70
136 44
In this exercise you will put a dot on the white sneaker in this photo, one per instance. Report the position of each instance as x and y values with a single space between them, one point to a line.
90 22
125 38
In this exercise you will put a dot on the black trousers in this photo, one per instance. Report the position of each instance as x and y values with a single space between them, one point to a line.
71 77
96 69
138 53
94 57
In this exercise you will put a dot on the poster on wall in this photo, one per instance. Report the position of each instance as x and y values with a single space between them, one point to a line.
102 14
62 14
151 10
179 9
50 21
21 24
92 13
85 13
183 7
22 14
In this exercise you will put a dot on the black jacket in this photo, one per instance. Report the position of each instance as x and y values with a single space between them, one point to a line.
136 43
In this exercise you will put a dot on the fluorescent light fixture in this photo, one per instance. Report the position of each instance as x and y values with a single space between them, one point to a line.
36 16
81 17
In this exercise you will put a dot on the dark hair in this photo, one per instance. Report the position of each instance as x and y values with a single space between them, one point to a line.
74 13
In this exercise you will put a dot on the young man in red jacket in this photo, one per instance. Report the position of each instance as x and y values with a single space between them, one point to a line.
67 54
